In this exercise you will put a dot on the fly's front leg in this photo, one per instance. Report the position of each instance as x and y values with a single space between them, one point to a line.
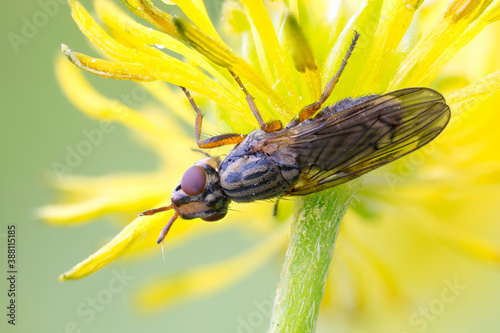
311 109
269 127
215 141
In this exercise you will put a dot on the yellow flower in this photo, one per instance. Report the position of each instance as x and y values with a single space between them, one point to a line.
395 241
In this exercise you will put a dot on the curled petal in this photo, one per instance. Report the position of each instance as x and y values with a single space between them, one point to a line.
82 94
128 31
108 69
154 68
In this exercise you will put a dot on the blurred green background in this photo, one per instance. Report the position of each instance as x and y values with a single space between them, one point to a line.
37 125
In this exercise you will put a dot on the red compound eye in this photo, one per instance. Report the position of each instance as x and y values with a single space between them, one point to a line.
215 217
194 180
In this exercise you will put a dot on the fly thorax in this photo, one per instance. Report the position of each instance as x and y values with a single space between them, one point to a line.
246 178
210 203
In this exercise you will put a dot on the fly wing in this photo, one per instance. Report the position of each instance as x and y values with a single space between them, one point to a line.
334 148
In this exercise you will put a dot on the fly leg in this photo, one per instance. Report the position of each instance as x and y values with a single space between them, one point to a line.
214 141
269 127
311 109
275 209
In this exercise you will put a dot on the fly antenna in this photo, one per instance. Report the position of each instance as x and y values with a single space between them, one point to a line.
156 210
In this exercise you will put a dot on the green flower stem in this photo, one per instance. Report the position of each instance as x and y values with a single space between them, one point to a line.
314 231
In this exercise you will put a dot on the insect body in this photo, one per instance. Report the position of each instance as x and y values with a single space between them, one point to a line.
341 142
249 173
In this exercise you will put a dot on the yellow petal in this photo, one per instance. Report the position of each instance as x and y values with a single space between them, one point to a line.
262 22
300 48
74 213
459 23
129 31
146 10
205 280
232 13
88 198
115 248
165 68
241 217
99 37
363 21
196 11
108 69
322 29
265 63
225 57
182 233
474 93
84 96
296 44
155 126
293 5
388 36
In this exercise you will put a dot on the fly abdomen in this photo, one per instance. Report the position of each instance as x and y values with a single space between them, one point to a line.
255 177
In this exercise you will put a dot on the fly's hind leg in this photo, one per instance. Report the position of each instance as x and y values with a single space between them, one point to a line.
311 109
269 127
215 141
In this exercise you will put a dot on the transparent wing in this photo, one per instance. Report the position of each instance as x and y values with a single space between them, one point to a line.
340 145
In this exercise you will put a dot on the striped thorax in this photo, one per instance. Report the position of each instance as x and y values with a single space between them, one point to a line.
247 174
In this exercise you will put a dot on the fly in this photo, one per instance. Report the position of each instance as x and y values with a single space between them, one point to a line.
315 151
